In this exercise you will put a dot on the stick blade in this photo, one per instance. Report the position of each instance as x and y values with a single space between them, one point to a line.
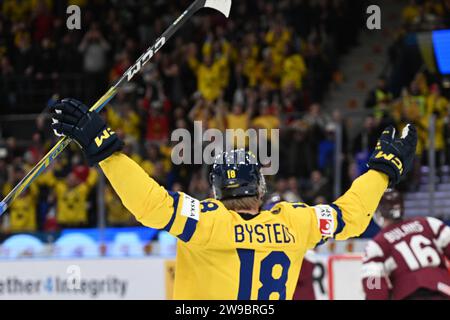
223 6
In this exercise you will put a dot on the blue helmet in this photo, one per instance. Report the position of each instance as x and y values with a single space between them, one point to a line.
237 174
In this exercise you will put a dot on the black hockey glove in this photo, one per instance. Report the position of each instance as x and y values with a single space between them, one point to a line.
394 156
73 119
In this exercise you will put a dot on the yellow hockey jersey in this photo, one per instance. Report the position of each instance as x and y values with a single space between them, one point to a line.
221 255
23 211
72 205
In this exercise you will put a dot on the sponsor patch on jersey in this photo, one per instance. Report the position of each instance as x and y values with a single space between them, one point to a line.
325 220
190 207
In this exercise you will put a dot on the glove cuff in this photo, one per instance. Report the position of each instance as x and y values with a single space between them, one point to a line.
394 178
96 157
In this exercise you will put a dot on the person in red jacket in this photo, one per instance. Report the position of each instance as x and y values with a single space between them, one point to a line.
407 259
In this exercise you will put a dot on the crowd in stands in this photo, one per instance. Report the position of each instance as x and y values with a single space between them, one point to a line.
418 103
410 91
267 67
421 15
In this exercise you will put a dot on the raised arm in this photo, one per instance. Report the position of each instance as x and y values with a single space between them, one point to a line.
150 203
350 215
392 159
359 203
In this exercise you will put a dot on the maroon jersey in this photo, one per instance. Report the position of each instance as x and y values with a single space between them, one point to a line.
305 288
407 257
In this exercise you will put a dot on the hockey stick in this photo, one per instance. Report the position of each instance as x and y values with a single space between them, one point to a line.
223 6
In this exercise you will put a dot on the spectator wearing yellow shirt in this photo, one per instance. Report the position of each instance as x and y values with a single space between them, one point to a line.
414 104
72 197
255 48
208 78
130 122
379 98
125 119
411 12
22 215
17 10
294 70
438 106
209 114
21 10
249 56
414 110
278 36
277 39
271 71
238 119
252 68
211 73
268 119
113 118
223 53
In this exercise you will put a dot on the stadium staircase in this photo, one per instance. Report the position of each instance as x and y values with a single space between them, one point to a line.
418 203
362 66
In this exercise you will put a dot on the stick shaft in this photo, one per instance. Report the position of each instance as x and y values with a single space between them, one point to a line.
101 103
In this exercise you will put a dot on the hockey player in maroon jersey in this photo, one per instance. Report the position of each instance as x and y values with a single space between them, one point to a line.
407 259
305 284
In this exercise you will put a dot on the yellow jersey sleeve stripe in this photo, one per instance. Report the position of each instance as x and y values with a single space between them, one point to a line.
189 230
179 222
176 198
186 213
340 220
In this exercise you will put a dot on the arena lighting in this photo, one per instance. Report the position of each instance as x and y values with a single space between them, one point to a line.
441 43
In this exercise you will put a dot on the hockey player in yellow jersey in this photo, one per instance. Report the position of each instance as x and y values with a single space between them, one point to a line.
228 248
